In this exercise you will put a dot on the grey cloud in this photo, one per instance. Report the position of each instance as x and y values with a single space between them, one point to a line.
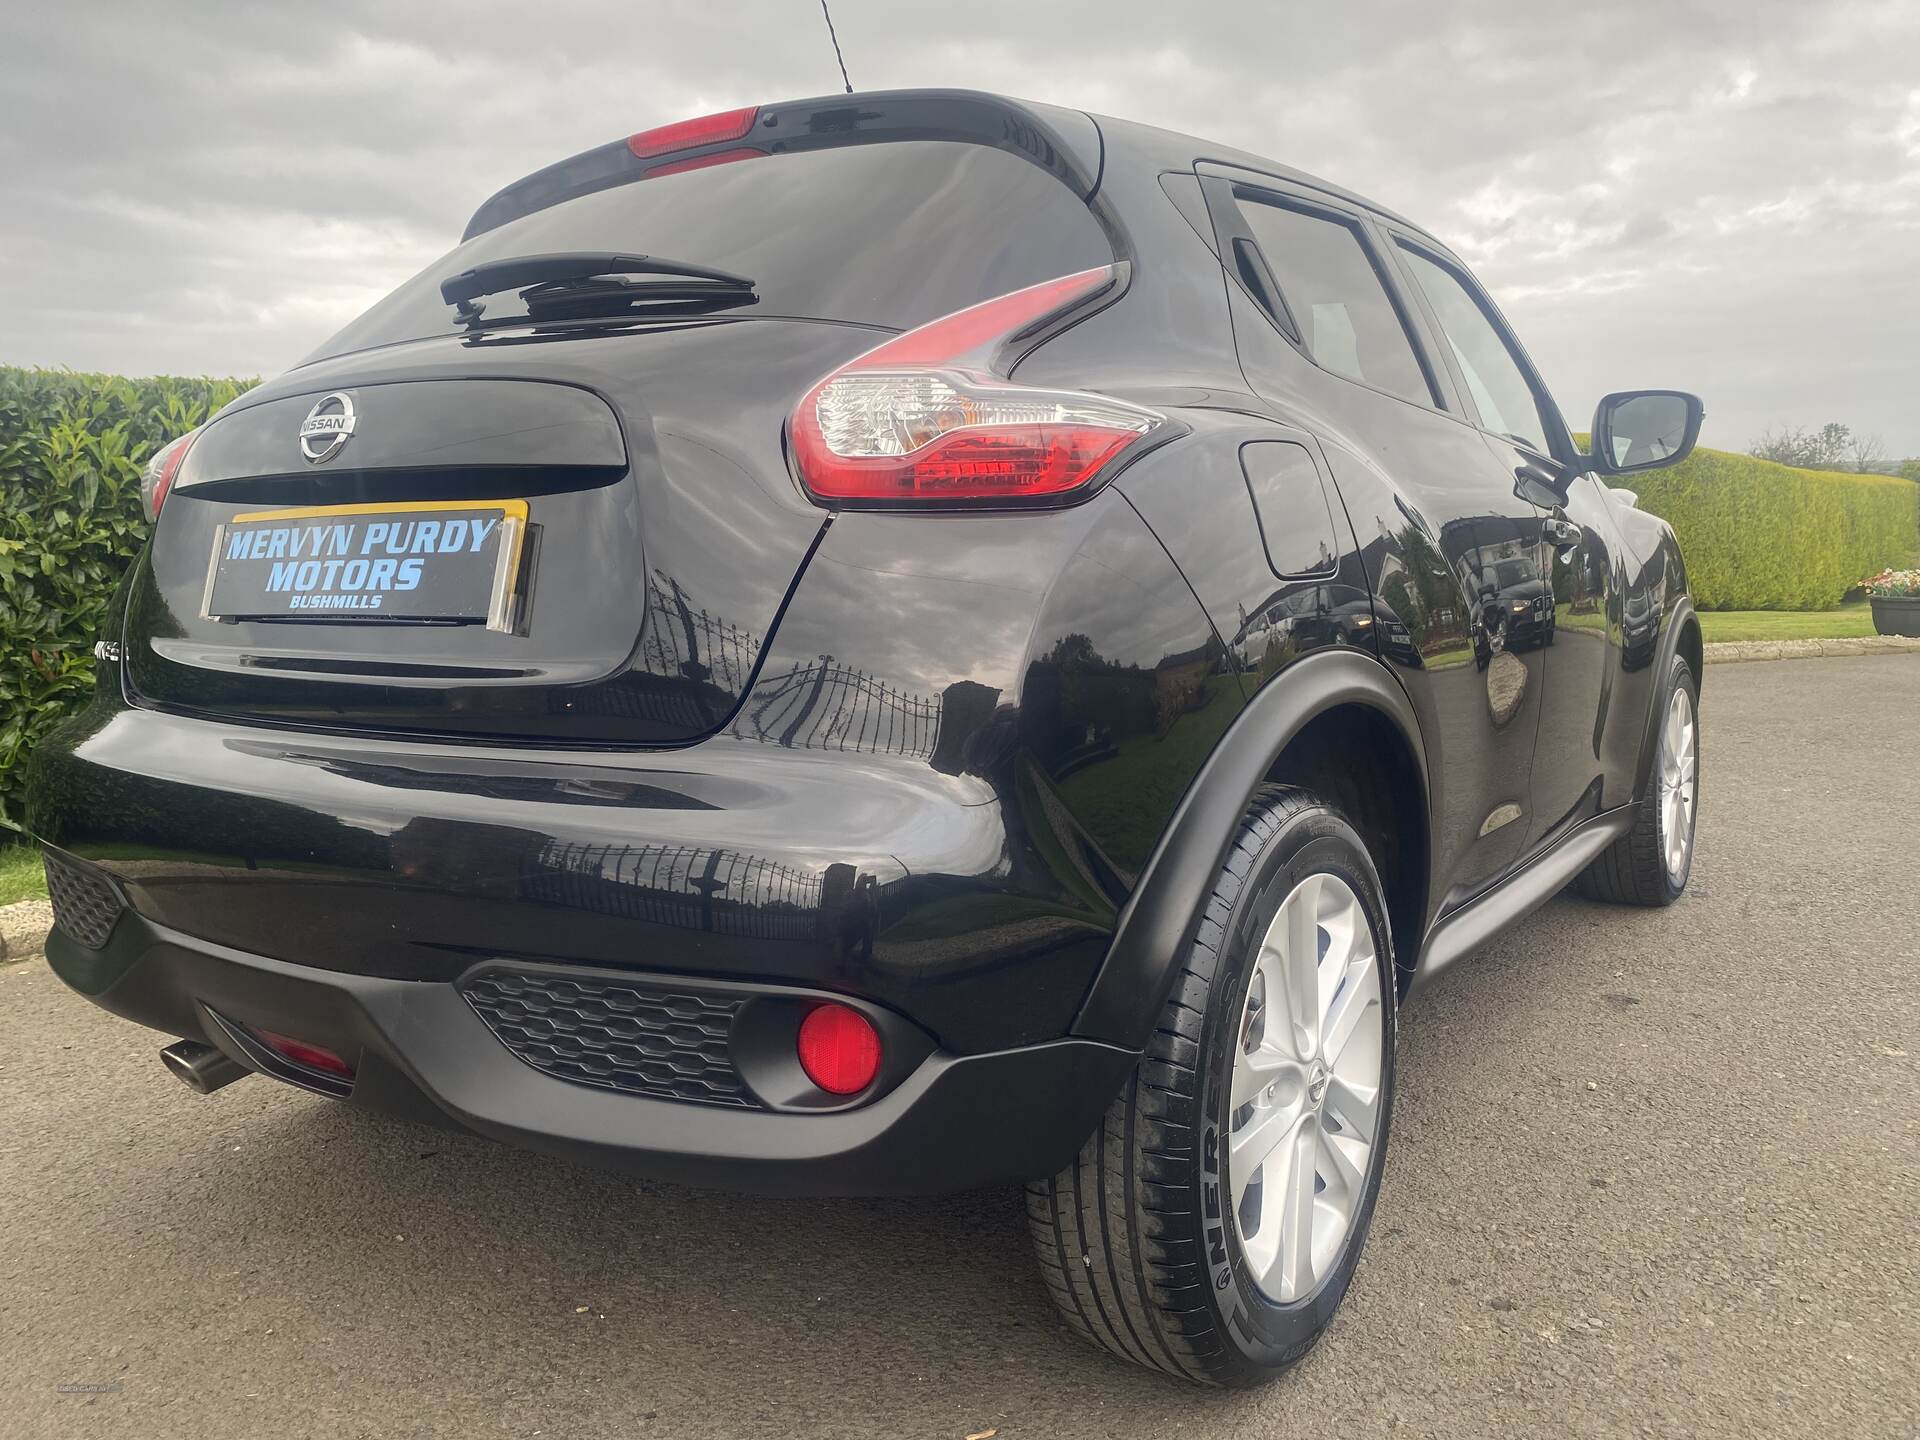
1725 196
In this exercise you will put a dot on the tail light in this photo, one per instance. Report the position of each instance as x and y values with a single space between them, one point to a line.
162 466
930 417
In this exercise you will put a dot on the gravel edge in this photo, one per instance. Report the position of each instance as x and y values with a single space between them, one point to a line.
1810 649
23 929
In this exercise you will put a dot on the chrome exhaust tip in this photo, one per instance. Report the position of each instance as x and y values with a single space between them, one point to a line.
201 1068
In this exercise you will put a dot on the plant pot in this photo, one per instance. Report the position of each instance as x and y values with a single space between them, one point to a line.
1897 614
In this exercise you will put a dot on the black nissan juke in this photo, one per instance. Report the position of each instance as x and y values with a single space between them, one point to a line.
890 644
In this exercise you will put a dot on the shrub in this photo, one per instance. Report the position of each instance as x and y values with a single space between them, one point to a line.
71 450
1760 536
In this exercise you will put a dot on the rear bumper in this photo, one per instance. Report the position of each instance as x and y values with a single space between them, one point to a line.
868 875
421 1051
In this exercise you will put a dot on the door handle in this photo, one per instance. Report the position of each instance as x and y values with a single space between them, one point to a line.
1561 533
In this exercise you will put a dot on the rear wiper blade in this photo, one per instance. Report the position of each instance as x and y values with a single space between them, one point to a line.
516 271
610 296
576 284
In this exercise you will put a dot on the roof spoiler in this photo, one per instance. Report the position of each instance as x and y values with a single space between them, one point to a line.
1033 132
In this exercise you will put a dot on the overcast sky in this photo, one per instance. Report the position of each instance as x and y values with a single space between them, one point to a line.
1721 197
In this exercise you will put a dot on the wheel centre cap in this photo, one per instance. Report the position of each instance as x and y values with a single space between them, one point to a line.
1317 1083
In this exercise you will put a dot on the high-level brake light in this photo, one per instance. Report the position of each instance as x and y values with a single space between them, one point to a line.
690 134
930 416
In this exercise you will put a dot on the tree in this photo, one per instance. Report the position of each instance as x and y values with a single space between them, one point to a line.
1832 447
1867 453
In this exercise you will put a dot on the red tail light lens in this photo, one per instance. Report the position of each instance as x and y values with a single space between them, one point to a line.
839 1049
689 134
156 481
311 1057
928 416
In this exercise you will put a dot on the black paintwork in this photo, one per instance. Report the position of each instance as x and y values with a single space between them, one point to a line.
668 533
976 769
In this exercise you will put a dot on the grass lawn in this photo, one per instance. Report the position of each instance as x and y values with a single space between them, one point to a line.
21 877
1844 622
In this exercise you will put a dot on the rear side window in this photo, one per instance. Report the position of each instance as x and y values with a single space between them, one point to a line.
890 234
1494 378
1346 321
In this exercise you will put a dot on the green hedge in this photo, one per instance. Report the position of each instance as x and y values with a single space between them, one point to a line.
71 450
1761 536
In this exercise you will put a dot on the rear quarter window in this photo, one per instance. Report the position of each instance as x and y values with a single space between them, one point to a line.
891 235
1347 322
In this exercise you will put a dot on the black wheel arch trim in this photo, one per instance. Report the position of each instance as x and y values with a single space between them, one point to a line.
1679 618
1159 919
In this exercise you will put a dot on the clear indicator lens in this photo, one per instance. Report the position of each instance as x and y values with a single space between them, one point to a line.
878 413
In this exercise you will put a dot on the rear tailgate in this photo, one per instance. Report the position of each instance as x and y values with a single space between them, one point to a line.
641 458
661 535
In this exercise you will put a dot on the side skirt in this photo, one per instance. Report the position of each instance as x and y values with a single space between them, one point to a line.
1516 897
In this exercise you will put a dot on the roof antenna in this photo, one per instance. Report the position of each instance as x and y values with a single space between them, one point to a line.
836 45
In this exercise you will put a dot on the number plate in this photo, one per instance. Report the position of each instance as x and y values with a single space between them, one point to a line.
442 560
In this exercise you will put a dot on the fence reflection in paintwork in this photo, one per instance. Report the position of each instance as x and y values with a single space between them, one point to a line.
681 641
823 706
687 887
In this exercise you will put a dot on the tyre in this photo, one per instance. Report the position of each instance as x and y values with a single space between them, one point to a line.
1649 865
1211 1226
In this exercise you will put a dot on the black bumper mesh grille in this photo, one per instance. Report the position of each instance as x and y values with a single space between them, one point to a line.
640 1040
85 904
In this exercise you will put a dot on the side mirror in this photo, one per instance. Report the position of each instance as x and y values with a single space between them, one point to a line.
1644 430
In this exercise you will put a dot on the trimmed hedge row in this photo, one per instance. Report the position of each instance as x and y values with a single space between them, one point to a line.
72 447
1761 536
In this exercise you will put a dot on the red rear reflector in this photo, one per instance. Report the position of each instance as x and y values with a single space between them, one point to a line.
686 134
701 162
930 416
839 1049
313 1057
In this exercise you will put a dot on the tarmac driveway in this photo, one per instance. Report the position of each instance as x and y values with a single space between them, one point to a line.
1652 1173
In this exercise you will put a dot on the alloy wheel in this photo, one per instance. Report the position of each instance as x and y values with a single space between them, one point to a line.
1679 780
1307 1078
